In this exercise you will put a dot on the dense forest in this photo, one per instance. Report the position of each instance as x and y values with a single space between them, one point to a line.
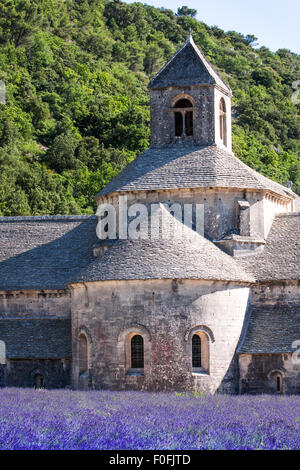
77 106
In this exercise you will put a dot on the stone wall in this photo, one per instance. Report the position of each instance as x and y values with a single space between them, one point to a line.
166 313
162 116
277 293
258 373
35 304
36 329
23 372
221 210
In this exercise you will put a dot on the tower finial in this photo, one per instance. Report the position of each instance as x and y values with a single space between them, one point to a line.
190 37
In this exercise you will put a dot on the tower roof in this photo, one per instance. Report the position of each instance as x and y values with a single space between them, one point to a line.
188 66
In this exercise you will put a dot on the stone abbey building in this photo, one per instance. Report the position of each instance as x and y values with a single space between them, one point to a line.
219 314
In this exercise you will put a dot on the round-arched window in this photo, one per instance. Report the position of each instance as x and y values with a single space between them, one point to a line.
200 352
196 351
137 352
183 118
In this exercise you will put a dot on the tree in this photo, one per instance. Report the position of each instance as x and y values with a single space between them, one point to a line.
18 20
186 11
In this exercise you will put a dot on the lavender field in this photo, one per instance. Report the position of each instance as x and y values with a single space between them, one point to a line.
63 419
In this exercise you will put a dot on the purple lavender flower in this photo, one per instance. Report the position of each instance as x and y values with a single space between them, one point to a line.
64 419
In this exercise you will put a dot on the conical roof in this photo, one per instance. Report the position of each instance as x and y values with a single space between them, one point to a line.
175 167
187 67
183 255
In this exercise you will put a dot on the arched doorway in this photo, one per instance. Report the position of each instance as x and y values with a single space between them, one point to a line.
39 381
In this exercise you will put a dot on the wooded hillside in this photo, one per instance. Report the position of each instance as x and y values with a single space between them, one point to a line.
77 105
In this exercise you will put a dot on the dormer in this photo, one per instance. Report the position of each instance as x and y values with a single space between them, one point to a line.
190 102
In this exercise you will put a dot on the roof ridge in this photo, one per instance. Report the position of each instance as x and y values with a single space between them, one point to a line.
207 62
210 69
45 218
289 214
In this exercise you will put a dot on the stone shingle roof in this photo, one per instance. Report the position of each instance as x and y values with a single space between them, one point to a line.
44 252
36 339
272 329
177 257
178 166
280 259
188 67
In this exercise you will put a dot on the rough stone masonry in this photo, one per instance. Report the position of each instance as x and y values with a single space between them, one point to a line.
220 314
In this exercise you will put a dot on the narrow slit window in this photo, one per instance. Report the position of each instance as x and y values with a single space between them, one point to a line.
222 117
83 354
278 383
137 352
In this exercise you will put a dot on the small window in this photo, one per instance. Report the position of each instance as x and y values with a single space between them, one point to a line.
38 381
196 351
278 383
183 118
83 354
137 352
200 353
222 117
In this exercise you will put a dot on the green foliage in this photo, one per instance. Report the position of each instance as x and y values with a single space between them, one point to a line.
186 11
77 105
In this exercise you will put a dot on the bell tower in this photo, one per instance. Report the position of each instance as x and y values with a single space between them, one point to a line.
190 102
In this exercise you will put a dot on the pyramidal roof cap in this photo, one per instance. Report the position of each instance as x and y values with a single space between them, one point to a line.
188 66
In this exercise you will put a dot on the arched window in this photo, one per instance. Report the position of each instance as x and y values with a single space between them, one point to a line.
137 352
83 354
200 352
38 381
196 351
222 117
183 118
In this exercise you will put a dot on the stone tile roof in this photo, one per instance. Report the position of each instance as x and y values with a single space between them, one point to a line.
272 329
188 67
36 339
280 259
178 166
185 255
44 252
